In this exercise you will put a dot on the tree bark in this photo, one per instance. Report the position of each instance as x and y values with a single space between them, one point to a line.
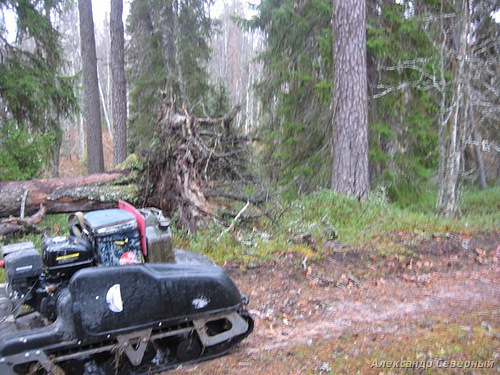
118 83
91 104
350 174
475 138
174 87
453 134
59 195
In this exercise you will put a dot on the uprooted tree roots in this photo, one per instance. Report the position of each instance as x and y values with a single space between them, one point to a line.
199 167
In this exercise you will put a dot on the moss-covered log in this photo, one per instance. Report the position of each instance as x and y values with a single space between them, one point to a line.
60 195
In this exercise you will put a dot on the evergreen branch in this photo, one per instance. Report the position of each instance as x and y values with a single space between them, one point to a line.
388 89
409 64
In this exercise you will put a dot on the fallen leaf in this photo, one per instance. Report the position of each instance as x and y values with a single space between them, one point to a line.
481 260
479 251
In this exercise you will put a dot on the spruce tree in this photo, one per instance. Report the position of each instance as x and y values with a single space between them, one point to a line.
296 92
167 59
297 102
34 94
402 108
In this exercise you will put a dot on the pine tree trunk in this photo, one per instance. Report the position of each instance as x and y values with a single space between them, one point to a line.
118 89
91 104
350 173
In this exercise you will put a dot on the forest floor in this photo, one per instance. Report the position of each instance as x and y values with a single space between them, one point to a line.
356 311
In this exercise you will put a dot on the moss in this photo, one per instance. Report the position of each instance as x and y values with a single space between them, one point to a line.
101 193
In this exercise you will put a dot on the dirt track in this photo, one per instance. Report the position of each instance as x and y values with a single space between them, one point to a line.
352 303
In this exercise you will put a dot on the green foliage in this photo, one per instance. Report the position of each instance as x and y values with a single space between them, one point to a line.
31 89
403 122
296 93
195 29
361 222
167 61
216 100
33 92
22 154
352 219
480 202
146 74
326 216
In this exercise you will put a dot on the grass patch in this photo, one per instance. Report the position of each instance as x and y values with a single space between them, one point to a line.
474 203
327 216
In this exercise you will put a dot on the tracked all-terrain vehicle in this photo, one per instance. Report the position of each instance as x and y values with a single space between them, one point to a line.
114 297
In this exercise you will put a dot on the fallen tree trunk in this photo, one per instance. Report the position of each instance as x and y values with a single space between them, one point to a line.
61 195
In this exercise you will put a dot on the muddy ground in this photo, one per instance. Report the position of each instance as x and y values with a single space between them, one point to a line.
435 304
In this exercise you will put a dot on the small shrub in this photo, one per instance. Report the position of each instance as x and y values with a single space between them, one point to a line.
20 153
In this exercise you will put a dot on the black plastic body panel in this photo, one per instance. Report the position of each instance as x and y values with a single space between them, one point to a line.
66 255
114 300
62 329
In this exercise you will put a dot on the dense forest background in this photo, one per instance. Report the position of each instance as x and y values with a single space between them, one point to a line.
432 72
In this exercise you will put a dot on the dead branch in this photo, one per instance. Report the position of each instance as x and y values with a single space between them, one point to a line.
13 225
228 229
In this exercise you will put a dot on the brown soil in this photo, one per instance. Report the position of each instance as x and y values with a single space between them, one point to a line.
353 303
